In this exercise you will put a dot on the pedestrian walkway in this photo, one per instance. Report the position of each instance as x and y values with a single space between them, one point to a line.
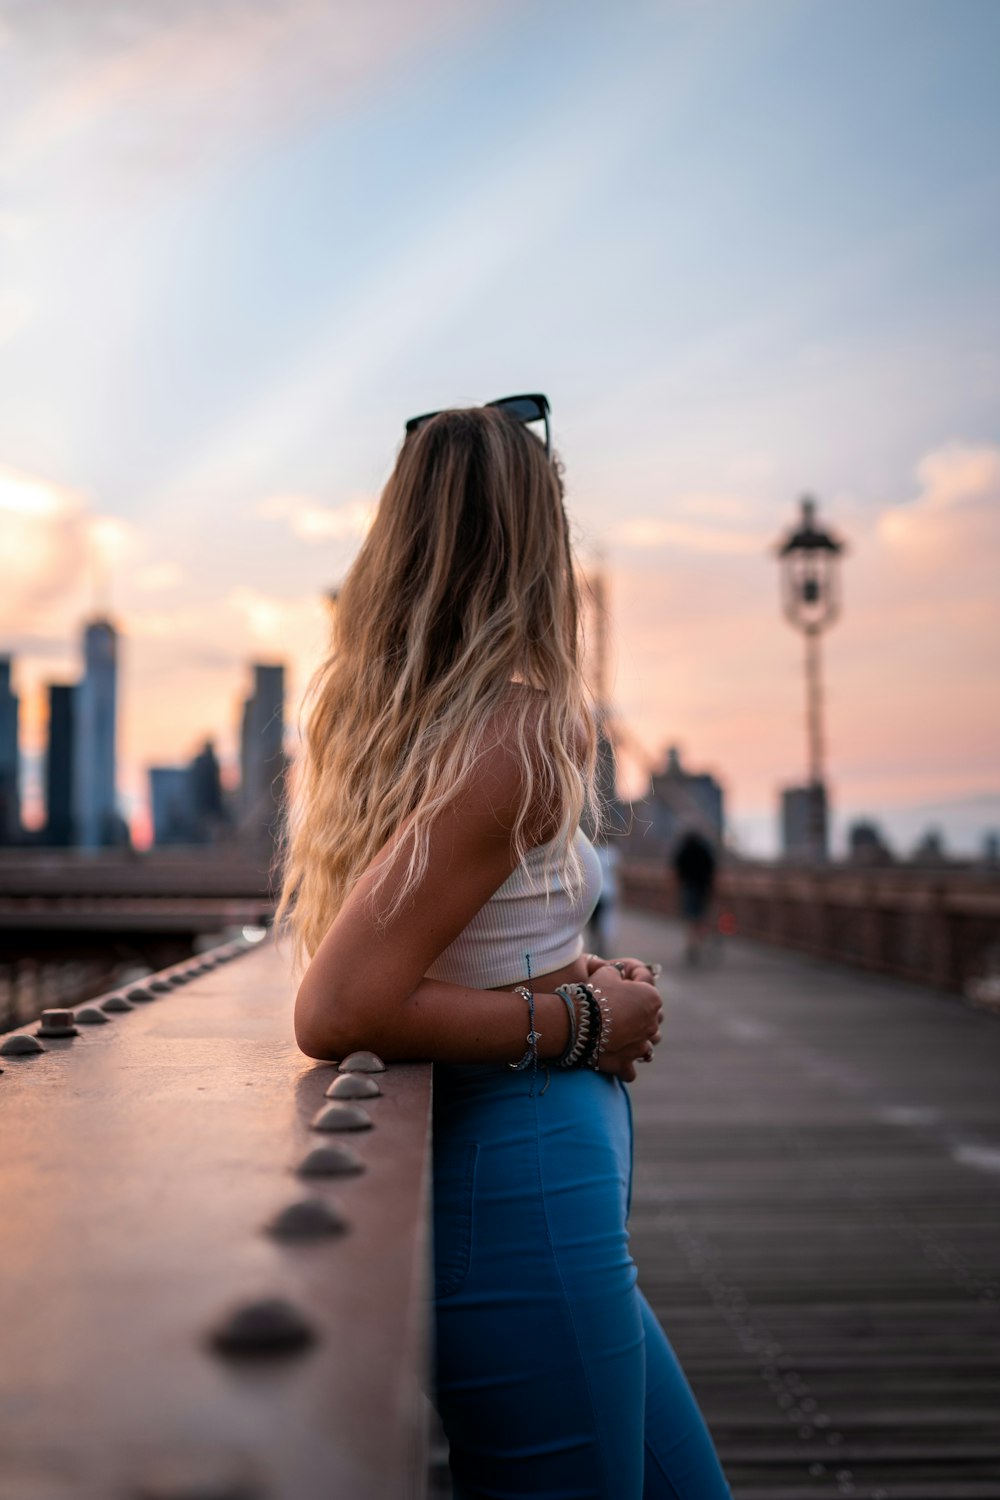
816 1220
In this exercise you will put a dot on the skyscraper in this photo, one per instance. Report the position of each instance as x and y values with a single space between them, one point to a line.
10 799
262 752
97 820
59 829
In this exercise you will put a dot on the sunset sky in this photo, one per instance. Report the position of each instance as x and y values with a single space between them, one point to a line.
749 250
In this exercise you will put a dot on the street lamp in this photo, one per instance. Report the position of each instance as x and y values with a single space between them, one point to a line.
810 594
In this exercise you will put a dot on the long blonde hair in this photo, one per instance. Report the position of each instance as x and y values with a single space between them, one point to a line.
464 585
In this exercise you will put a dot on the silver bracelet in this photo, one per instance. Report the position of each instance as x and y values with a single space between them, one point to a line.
604 1005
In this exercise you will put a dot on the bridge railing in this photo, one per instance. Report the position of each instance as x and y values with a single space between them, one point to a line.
206 1287
942 930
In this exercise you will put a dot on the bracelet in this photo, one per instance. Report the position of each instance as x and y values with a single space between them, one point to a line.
604 1030
533 1037
571 1044
593 1011
579 1026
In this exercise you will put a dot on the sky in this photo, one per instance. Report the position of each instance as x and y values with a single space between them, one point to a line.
748 249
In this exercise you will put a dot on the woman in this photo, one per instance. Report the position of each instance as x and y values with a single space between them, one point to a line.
438 881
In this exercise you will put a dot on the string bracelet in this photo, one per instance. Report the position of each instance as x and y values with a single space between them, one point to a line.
533 1037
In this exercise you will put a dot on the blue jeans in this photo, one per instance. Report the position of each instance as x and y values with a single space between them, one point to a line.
553 1378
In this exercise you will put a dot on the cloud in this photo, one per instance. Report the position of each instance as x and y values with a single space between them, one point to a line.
155 577
178 83
958 506
645 532
311 520
46 551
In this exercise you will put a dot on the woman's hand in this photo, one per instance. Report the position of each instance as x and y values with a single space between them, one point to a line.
628 968
636 1017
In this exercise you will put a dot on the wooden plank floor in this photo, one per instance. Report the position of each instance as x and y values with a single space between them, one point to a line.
816 1220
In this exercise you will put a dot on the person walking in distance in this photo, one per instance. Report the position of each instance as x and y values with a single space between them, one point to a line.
694 864
436 883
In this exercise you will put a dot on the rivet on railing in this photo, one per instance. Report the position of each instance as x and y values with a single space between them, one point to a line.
353 1086
20 1045
179 976
338 1116
362 1062
334 1160
159 986
308 1219
91 1015
268 1327
57 1023
115 1004
140 992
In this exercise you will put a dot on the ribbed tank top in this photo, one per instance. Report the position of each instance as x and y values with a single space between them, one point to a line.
518 920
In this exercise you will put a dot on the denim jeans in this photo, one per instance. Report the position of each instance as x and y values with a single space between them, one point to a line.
553 1378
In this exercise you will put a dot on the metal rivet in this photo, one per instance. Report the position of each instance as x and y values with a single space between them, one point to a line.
56 1023
159 986
20 1045
270 1326
115 1004
362 1062
90 1015
140 992
196 1476
330 1161
308 1219
180 976
338 1116
353 1086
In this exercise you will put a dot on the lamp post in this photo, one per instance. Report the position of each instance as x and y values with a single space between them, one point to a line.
809 558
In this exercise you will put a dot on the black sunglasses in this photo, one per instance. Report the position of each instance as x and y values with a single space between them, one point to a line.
521 408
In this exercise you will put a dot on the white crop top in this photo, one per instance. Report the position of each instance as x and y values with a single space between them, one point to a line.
517 920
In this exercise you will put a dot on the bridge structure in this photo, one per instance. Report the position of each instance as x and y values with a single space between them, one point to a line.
206 1290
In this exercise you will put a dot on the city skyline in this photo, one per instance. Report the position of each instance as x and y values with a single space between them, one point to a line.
747 252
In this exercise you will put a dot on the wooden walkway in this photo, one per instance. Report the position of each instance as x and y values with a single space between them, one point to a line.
816 1220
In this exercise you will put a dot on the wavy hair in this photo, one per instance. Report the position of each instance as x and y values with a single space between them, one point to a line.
464 585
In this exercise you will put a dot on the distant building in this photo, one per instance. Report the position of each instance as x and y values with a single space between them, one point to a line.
10 794
930 849
186 801
866 845
804 823
677 800
97 820
170 795
991 848
206 778
262 754
59 825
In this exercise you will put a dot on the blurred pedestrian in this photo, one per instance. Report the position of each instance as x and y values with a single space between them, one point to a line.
694 862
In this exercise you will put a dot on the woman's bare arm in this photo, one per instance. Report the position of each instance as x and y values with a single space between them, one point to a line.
365 986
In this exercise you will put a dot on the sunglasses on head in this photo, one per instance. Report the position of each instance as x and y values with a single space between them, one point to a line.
524 409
